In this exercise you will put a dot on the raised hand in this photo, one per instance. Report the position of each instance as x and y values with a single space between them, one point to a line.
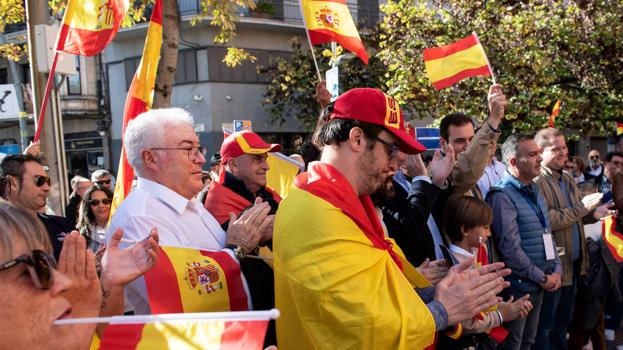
441 167
323 96
415 165
497 104
122 266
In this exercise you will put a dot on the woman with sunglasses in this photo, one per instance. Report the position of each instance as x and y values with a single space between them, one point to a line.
93 215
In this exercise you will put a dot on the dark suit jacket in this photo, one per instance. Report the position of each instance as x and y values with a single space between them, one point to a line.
56 226
405 218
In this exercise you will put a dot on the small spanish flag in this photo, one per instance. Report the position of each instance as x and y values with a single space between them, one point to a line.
555 111
612 238
282 172
191 280
619 128
139 99
89 25
330 20
449 64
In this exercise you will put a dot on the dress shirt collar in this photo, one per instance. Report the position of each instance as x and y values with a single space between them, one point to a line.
164 194
458 250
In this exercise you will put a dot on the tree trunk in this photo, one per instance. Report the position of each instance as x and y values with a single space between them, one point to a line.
168 55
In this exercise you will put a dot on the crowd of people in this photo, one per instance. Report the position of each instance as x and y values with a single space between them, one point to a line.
372 248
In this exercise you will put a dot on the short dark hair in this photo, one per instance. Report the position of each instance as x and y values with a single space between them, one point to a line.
13 165
336 131
456 119
510 147
611 155
464 212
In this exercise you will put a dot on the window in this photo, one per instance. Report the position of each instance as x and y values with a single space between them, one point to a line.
368 12
73 81
4 76
186 67
25 73
131 64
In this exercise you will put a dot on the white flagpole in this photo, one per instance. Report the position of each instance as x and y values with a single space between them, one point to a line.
311 47
197 316
486 58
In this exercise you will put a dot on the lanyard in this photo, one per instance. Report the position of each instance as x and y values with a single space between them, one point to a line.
537 209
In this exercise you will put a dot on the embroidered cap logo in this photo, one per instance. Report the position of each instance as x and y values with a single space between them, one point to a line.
392 113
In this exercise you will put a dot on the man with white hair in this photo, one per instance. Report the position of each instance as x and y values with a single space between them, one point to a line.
162 147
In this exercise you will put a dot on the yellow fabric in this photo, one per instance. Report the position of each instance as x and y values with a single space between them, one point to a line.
318 12
612 240
182 335
448 66
145 79
91 14
246 148
95 343
280 175
334 289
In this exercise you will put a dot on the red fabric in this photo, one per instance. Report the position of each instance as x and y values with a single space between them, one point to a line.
434 53
122 337
237 296
444 83
220 201
498 334
162 287
231 149
612 246
324 181
352 44
243 335
482 257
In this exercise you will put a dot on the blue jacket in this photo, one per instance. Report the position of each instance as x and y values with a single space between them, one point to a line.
519 221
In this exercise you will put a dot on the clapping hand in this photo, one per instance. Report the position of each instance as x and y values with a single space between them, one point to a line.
434 271
441 166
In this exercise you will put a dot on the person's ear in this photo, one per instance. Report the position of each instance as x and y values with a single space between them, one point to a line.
357 139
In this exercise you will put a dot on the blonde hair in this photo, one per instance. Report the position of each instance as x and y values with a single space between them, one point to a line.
20 225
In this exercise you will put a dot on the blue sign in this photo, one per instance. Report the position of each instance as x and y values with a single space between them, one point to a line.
9 149
429 137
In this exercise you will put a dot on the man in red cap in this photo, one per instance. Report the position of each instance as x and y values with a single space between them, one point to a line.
243 179
338 282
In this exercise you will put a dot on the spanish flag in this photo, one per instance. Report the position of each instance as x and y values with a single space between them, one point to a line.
281 173
612 238
362 299
619 127
449 64
139 99
555 111
191 280
89 25
330 20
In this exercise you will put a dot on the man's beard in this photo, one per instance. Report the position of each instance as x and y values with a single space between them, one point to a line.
384 194
369 177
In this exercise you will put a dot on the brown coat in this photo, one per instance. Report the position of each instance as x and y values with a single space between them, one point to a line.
562 217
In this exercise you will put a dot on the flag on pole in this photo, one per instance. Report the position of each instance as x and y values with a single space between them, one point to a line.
188 331
192 280
330 20
139 99
612 238
281 173
619 126
555 111
89 25
449 64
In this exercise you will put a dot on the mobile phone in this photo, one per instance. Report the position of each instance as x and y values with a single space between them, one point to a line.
607 197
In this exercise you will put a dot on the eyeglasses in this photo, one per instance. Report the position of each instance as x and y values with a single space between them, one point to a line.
39 265
192 152
40 180
104 182
391 149
96 202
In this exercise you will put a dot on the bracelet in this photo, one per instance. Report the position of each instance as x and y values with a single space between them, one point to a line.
492 128
500 316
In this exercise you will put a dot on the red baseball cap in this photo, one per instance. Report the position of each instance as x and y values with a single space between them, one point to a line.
375 107
245 142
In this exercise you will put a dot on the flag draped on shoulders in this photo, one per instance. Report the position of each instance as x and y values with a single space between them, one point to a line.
338 282
330 20
89 25
191 280
139 99
449 64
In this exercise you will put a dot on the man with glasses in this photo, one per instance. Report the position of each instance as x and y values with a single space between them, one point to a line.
24 182
338 282
104 178
163 148
594 168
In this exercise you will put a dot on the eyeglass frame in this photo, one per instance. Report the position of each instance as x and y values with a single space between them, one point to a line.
99 201
593 157
187 149
29 260
36 178
393 148
103 182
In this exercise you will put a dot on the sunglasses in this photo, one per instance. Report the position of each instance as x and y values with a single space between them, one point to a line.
594 157
39 265
96 202
104 182
40 180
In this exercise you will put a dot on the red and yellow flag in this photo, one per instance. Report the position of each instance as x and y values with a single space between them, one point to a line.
330 20
449 64
185 335
619 126
139 99
612 238
191 280
555 111
89 25
281 173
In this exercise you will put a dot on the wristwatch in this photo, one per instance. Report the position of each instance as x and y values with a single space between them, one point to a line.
543 280
238 252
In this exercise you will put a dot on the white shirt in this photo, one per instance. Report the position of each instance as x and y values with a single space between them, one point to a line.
180 223
492 175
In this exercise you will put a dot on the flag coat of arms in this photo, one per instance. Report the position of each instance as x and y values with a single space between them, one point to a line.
449 64
330 20
89 25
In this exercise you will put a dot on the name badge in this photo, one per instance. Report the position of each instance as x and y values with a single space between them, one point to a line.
550 250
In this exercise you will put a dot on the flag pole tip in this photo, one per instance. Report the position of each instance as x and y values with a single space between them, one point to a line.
274 314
